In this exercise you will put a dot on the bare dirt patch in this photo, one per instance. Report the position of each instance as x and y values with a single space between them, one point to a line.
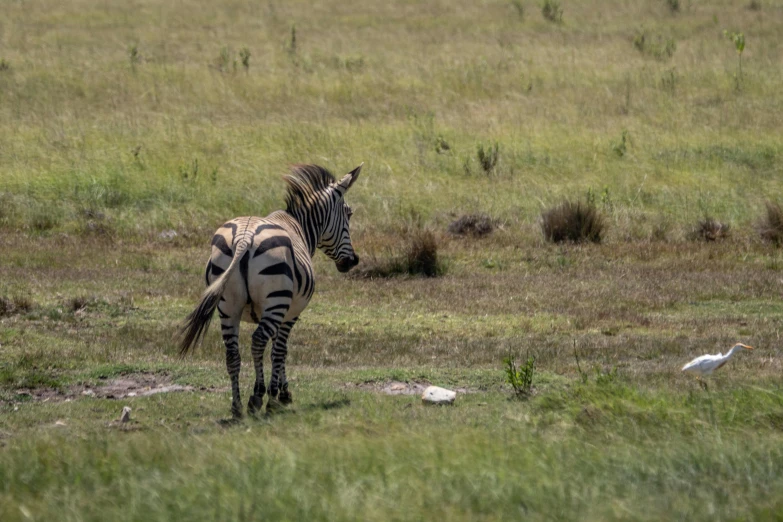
135 385
397 387
131 385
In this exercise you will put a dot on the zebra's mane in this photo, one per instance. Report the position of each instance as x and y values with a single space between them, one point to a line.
304 182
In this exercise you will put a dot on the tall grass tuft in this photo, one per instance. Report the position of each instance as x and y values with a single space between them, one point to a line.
488 157
771 225
573 221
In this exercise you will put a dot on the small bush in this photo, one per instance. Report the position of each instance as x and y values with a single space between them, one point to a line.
710 229
575 222
476 225
552 11
771 225
674 5
754 5
4 65
520 378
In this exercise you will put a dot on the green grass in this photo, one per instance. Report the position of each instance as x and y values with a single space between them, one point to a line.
123 120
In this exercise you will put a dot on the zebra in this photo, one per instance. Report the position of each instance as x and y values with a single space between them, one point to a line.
261 271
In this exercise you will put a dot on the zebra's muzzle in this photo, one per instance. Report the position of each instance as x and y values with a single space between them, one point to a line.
344 264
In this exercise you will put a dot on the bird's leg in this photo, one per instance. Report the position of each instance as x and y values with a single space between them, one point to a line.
703 384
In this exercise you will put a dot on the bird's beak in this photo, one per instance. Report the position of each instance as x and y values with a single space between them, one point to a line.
746 346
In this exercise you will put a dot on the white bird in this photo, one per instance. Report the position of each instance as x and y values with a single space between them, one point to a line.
706 364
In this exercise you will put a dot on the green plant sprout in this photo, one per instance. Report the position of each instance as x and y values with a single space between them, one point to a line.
739 45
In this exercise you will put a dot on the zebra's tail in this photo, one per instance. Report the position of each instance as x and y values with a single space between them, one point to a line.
197 322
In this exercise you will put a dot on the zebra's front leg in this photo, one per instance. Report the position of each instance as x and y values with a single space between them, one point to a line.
267 328
278 387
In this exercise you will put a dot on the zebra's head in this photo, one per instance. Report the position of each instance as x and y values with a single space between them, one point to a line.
335 241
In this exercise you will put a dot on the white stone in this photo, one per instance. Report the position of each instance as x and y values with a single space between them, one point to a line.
438 395
125 417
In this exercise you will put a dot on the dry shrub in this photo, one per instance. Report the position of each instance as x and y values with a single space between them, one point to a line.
771 225
476 225
416 253
571 221
711 230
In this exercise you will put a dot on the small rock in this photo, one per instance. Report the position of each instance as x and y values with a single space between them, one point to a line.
125 417
438 395
89 393
60 423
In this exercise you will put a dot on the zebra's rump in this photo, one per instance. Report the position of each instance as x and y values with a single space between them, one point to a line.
275 274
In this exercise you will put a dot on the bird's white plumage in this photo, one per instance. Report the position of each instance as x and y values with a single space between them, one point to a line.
706 364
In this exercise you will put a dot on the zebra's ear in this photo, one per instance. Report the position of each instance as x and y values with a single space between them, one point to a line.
349 178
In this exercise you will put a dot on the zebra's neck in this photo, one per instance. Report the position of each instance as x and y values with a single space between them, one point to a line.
310 226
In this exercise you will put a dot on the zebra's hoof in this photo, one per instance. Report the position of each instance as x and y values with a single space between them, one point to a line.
285 397
255 404
274 406
236 412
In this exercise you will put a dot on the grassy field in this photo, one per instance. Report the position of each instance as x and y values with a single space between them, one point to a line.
123 121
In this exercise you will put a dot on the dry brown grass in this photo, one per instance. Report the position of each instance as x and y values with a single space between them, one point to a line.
475 225
412 251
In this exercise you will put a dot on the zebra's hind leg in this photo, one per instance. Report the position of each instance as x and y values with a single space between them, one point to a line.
278 387
233 361
267 328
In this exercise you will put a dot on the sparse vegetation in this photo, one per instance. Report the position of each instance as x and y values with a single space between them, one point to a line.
573 221
4 65
674 5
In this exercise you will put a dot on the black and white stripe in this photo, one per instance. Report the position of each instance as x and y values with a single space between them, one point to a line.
261 271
